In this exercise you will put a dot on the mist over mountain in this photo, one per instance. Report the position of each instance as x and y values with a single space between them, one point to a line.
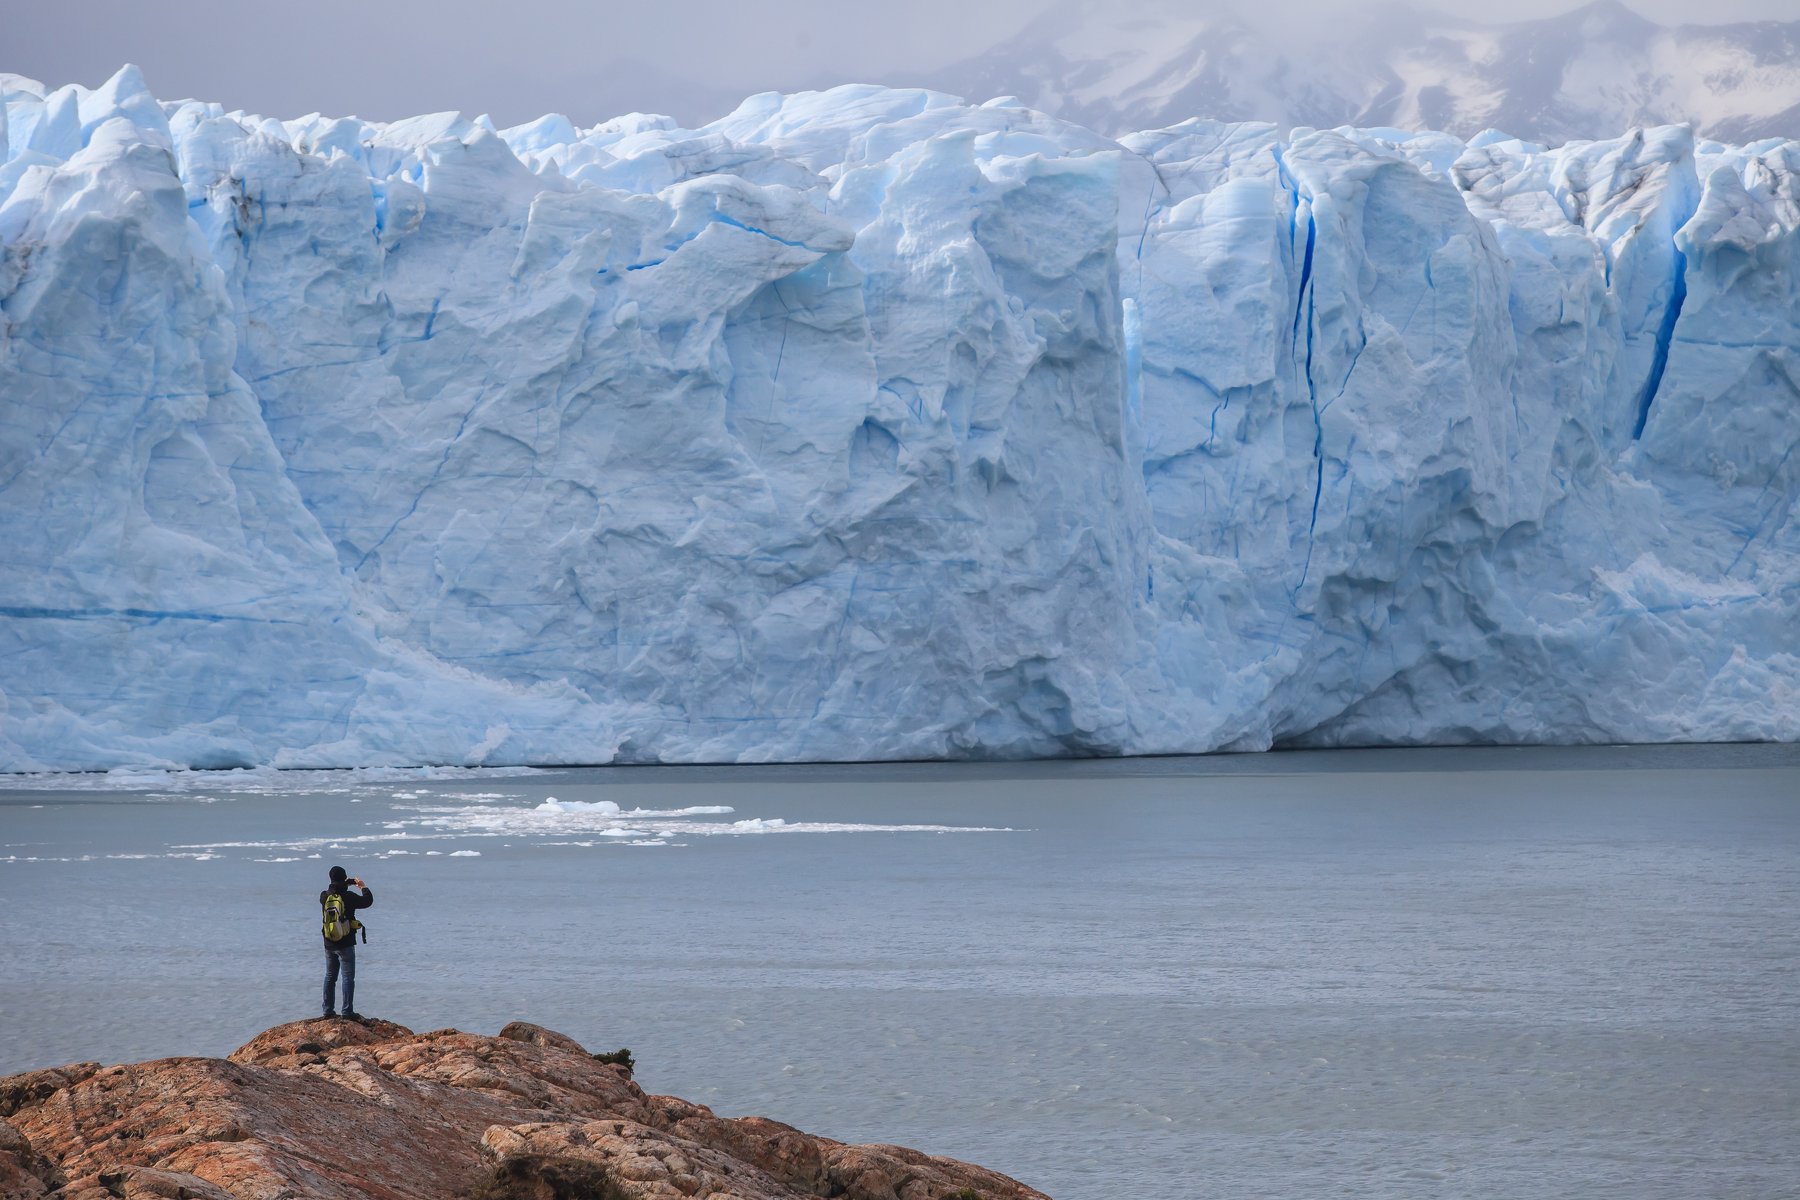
1589 73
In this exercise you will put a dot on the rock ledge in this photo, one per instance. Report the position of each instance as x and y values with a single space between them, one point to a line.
341 1110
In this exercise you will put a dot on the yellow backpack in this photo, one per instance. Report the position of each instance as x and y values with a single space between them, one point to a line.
338 923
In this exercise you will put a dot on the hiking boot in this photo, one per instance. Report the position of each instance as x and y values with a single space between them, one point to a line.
352 1016
328 1014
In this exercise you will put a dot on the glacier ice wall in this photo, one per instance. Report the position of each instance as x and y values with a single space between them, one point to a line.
865 424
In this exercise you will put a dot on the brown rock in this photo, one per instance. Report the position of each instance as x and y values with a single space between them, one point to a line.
537 1035
143 1183
16 1091
298 1039
346 1110
23 1173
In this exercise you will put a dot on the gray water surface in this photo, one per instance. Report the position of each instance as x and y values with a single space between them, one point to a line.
1528 973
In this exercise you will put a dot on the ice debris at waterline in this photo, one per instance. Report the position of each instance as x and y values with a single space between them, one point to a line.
867 424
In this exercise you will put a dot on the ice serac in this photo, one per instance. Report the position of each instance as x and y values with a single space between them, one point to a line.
867 424
165 593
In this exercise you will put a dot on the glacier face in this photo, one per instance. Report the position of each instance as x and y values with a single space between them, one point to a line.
866 424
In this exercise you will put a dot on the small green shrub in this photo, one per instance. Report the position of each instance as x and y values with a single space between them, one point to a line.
965 1193
621 1057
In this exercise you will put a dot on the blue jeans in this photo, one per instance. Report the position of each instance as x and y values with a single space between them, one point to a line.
347 956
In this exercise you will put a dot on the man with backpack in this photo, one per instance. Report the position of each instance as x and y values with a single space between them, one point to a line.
338 905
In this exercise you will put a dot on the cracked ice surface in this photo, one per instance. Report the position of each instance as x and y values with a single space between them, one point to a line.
867 424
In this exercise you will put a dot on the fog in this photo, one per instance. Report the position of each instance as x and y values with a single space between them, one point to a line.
589 60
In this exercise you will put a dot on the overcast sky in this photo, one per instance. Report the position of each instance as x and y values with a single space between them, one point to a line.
517 59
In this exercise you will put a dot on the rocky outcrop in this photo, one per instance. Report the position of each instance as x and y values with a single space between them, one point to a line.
344 1110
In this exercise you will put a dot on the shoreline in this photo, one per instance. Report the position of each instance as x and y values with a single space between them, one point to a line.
1274 761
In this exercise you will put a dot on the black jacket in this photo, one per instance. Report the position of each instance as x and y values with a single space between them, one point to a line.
352 902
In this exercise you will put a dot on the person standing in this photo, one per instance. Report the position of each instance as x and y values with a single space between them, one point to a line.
339 904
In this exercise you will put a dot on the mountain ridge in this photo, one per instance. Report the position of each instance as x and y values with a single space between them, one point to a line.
1587 73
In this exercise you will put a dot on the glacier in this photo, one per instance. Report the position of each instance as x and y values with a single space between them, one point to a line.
867 424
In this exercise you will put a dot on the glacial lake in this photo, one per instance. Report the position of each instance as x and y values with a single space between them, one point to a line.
1484 973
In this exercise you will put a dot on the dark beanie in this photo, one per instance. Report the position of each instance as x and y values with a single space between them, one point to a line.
338 875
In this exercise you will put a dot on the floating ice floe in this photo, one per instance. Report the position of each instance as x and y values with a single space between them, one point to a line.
189 785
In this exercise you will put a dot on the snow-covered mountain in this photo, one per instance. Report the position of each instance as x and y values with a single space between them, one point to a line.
1586 74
